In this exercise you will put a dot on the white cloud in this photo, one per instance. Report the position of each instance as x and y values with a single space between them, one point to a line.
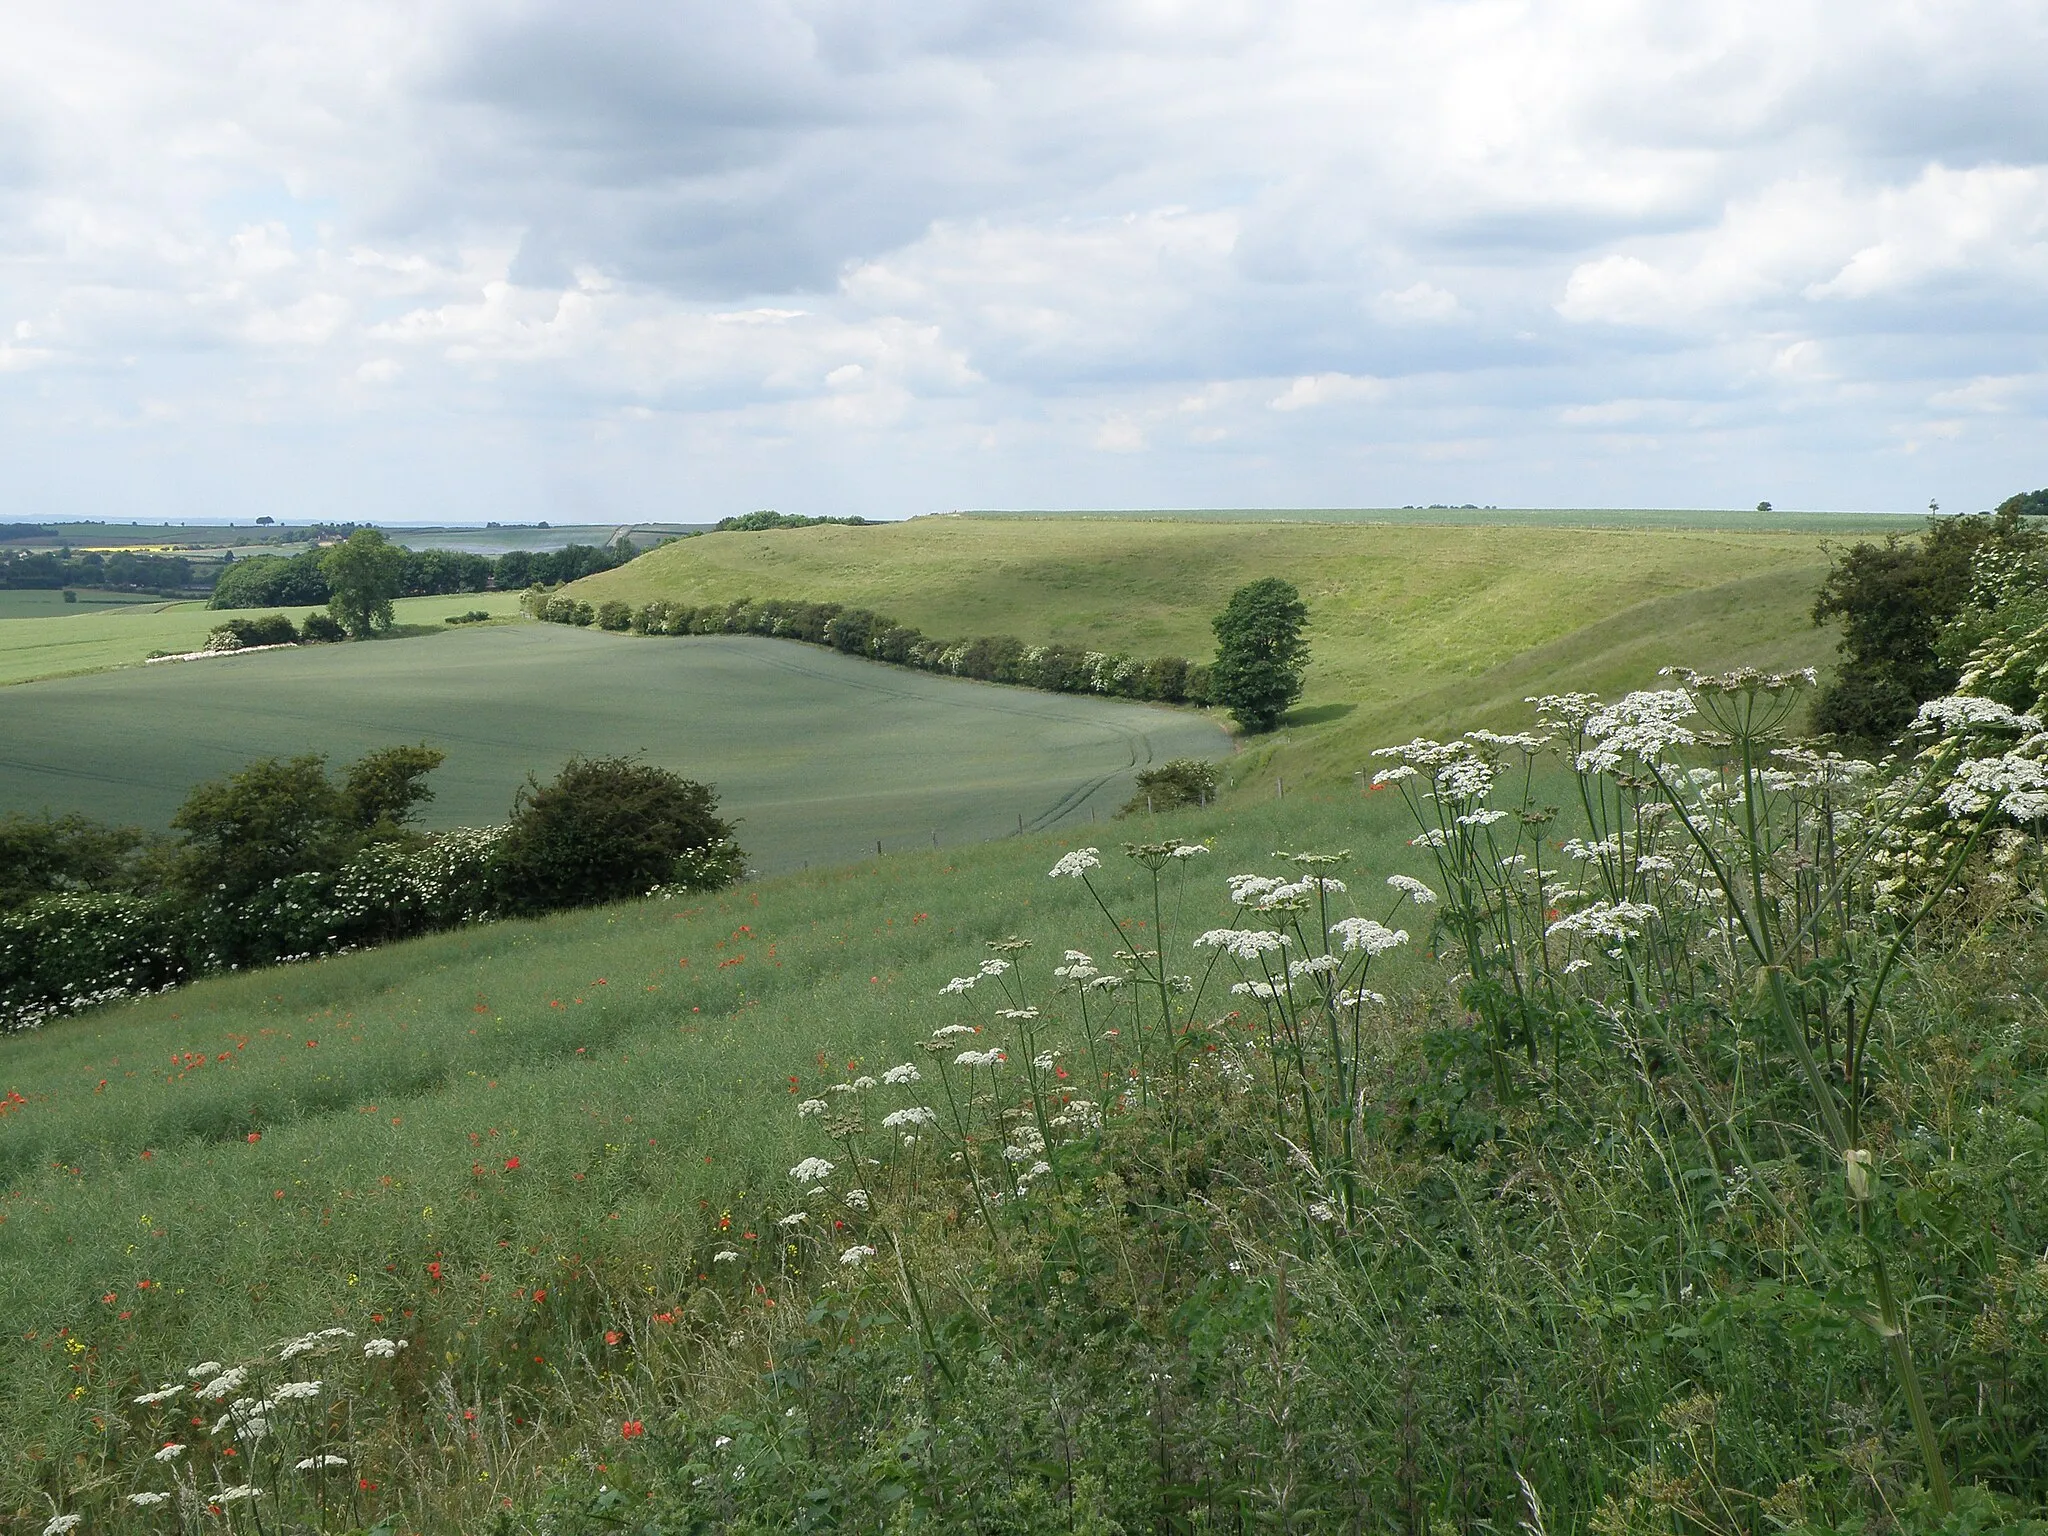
904 255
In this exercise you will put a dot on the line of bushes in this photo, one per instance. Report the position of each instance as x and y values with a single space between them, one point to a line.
279 862
861 632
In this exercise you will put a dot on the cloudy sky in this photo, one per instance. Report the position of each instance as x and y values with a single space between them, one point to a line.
469 259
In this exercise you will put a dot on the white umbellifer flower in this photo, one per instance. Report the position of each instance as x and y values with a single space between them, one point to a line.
2018 783
1363 933
1392 775
204 1368
1967 712
1246 889
897 1077
1076 864
994 967
1413 889
978 1059
1469 778
1566 710
240 1494
1080 957
148 1500
856 1256
1435 837
916 1115
725 1256
319 1463
949 1031
1655 864
224 1383
840 1087
794 1219
1264 990
1016 1013
1044 1061
810 1107
1186 850
1315 965
1643 726
956 986
1242 943
382 1349
1482 818
334 1333
170 1452
1573 967
863 1083
721 1442
1522 741
294 1391
1607 920
1080 971
1360 998
1105 983
59 1524
1322 1210
253 1430
162 1394
811 1170
856 1199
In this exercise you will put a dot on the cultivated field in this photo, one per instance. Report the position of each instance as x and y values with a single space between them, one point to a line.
102 638
30 603
819 754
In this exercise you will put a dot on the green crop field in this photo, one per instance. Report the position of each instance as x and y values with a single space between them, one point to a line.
103 638
819 753
28 603
1413 627
1827 524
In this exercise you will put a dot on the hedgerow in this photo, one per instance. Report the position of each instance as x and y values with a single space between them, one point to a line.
860 632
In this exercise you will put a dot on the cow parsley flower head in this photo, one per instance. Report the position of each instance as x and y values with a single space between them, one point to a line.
319 1463
917 1114
162 1394
856 1256
994 967
1967 712
1413 889
1242 943
1016 1013
1362 933
295 1391
810 1107
1077 864
148 1500
382 1349
956 986
811 1170
1393 775
856 1199
794 1219
241 1494
1610 920
726 1256
59 1524
1315 965
1643 726
224 1383
1187 850
170 1452
203 1368
898 1077
2018 784
949 1031
978 1059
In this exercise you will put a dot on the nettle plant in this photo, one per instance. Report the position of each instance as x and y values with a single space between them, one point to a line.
1725 929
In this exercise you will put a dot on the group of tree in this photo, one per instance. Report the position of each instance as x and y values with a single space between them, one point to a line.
761 522
283 860
861 632
1914 612
373 564
122 570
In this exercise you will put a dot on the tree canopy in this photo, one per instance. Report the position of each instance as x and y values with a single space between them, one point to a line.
1261 652
364 573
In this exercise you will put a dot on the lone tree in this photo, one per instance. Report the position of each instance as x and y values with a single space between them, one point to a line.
363 575
1260 652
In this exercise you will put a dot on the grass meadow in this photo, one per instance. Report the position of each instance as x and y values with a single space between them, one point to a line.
1413 626
819 754
504 1143
100 639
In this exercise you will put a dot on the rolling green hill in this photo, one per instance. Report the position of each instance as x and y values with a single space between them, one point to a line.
1412 626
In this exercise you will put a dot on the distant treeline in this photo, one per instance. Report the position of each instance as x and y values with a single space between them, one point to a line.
48 570
761 522
25 531
859 632
300 581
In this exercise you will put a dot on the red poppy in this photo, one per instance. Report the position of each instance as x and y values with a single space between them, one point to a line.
434 1269
632 1429
612 1336
511 1164
255 1135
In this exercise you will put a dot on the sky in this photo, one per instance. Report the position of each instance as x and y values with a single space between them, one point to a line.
463 260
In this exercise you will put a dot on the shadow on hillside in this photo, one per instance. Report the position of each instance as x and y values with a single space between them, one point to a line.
1321 714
